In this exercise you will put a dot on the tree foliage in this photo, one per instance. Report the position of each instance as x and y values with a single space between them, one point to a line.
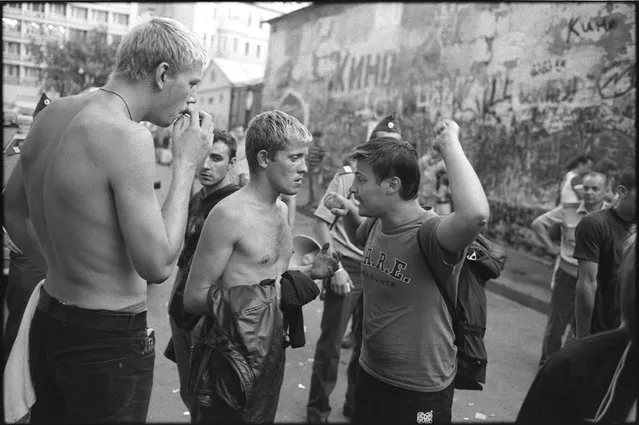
75 64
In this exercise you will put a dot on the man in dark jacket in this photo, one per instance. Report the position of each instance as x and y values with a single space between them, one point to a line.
593 379
216 183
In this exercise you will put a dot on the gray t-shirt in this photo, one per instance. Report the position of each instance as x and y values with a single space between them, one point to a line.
408 337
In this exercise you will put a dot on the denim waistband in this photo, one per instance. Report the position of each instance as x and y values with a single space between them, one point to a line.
107 320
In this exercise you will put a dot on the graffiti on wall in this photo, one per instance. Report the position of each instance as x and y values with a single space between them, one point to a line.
346 72
568 89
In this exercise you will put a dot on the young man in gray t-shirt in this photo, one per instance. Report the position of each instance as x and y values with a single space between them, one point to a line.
408 360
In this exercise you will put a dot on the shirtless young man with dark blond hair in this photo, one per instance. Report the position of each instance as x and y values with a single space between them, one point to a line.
247 239
82 199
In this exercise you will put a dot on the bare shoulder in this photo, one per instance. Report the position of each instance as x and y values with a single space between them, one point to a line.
231 211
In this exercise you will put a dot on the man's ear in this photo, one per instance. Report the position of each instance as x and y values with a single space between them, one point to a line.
262 158
622 191
393 184
161 74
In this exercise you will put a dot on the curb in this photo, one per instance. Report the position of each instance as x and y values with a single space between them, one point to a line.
500 287
503 286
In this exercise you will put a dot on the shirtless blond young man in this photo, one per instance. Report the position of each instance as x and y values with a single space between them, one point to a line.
85 187
247 237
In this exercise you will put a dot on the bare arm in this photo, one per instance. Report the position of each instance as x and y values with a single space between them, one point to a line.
211 258
17 220
460 228
585 296
154 236
541 227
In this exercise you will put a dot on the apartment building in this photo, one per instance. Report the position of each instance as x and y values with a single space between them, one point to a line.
24 21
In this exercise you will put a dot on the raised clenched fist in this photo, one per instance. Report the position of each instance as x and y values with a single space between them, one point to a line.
445 132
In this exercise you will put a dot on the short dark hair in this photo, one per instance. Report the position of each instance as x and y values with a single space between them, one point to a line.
628 178
391 157
578 160
226 138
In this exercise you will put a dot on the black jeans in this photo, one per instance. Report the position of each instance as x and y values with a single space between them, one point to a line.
379 402
89 366
337 310
22 280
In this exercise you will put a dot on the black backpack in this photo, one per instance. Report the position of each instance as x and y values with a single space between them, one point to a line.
484 261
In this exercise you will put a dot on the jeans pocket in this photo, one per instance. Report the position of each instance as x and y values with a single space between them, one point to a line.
94 391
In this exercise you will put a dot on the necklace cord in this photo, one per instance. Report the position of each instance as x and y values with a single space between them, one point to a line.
125 104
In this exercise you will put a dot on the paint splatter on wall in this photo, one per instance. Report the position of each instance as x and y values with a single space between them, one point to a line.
532 85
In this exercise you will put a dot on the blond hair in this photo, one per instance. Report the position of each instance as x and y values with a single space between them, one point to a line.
155 41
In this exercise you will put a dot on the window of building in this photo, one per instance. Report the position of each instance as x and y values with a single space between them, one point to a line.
80 13
59 9
14 5
101 16
11 70
223 43
246 49
212 77
28 51
235 44
78 34
259 49
121 19
35 7
11 48
221 97
31 73
211 100
249 19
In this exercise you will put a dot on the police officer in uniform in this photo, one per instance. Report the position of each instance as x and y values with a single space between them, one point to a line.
342 297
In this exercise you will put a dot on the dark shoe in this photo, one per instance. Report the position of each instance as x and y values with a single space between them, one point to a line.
347 411
348 341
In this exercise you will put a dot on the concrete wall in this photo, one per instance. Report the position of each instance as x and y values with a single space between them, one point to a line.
531 85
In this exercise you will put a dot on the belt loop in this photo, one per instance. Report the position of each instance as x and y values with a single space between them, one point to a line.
131 324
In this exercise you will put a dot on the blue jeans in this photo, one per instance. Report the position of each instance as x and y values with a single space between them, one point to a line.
379 402
89 366
562 313
337 310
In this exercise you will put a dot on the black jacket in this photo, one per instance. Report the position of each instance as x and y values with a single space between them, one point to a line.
243 340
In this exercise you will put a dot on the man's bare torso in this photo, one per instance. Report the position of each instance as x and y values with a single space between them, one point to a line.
265 245
72 207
